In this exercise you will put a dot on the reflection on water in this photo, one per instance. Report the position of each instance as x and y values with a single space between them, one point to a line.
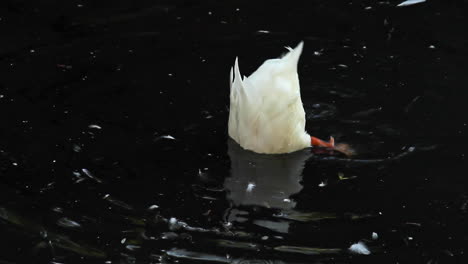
263 180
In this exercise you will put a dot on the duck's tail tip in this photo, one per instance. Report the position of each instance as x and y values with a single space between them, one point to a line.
297 50
300 45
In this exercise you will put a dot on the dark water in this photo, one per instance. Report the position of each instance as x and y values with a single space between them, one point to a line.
113 142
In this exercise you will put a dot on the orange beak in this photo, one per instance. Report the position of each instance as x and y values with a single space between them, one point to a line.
315 142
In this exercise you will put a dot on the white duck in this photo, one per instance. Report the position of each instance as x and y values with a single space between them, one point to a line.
266 113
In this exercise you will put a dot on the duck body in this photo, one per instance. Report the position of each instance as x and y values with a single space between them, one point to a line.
266 112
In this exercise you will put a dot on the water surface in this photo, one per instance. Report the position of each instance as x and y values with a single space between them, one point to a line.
114 146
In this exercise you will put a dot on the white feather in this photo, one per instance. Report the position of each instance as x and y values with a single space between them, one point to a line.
266 113
359 248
